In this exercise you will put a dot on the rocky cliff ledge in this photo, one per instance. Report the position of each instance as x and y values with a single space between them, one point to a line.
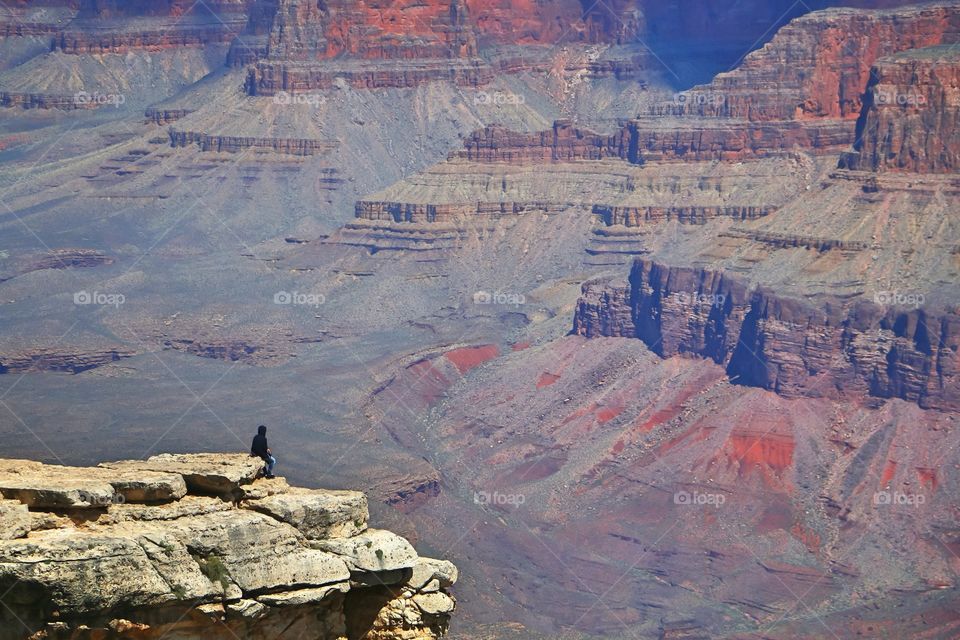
191 546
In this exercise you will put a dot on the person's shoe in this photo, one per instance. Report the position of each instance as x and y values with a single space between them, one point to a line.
269 476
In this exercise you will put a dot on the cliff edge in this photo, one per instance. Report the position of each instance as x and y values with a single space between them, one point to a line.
197 545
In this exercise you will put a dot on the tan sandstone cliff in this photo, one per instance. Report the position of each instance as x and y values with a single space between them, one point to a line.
196 546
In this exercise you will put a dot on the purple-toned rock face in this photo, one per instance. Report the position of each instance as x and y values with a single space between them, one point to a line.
782 344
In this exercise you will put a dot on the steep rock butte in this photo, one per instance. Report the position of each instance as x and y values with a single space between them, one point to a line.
199 546
793 347
818 66
305 45
305 30
911 116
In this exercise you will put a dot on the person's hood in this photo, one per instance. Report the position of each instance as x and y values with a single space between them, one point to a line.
262 430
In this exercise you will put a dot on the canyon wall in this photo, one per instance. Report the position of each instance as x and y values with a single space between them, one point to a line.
641 140
818 65
776 342
201 546
911 119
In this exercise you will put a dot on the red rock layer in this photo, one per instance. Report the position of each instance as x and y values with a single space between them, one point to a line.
911 119
405 29
785 345
422 34
304 30
818 66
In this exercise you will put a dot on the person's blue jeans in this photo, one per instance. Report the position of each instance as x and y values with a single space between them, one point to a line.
270 462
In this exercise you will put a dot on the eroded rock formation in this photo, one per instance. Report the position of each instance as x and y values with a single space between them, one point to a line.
776 342
818 65
911 119
198 546
644 140
235 144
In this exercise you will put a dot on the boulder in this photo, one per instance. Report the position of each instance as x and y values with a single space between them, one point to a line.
427 570
246 609
434 603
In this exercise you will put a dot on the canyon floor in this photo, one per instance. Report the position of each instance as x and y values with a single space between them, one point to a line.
444 328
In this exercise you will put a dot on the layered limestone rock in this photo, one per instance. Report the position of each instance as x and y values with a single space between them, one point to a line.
236 144
303 46
201 546
618 193
911 118
43 18
304 34
24 358
643 140
787 345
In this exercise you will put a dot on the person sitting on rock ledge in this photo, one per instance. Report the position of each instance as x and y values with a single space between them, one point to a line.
262 451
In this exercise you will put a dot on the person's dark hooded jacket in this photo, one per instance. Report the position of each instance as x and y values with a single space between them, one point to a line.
260 448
